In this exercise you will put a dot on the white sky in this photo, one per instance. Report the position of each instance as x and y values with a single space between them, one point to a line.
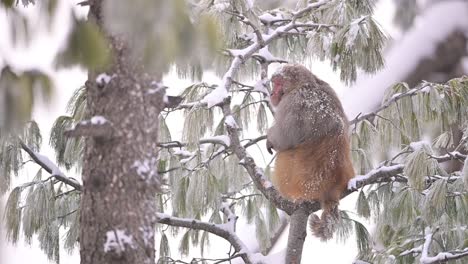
40 54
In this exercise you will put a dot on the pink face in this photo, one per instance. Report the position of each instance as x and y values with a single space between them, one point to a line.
278 91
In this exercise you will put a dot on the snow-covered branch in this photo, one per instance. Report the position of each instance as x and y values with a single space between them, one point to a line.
441 256
221 140
450 156
226 230
97 126
374 176
388 103
51 168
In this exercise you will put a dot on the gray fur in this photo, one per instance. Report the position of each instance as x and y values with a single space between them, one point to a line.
308 111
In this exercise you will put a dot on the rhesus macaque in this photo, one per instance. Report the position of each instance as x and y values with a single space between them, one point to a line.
310 136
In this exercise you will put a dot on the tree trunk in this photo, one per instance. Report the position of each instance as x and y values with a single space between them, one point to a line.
120 180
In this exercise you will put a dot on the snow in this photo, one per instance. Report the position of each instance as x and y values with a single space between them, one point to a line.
223 139
156 87
238 52
268 17
228 227
276 258
148 234
282 28
426 89
220 7
265 53
230 122
217 96
412 251
425 259
260 86
360 262
352 184
182 152
116 240
183 161
145 167
353 32
279 70
265 182
416 146
98 120
163 216
44 159
435 24
104 78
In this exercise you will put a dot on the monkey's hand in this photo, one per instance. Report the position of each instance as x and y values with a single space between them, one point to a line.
269 147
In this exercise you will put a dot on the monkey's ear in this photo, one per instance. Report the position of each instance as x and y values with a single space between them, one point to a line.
269 147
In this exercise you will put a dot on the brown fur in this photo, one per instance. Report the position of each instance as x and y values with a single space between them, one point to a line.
313 160
305 173
297 168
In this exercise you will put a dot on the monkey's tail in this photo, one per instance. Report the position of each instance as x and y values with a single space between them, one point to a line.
325 226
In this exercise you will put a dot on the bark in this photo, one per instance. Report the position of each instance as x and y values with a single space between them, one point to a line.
118 205
297 235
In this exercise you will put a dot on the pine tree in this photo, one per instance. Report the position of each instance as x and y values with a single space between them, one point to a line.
136 170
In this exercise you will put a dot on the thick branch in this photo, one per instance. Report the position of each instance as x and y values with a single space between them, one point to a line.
101 129
297 235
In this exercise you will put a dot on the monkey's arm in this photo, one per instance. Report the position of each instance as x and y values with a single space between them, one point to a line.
287 132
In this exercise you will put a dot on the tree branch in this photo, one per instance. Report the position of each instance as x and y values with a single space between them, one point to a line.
226 231
297 235
51 168
441 256
387 104
97 127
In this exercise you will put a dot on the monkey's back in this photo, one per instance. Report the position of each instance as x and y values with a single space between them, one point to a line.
315 170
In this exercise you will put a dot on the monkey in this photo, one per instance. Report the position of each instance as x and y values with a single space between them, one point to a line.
310 136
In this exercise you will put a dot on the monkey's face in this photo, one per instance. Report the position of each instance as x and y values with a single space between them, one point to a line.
287 79
278 91
282 85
